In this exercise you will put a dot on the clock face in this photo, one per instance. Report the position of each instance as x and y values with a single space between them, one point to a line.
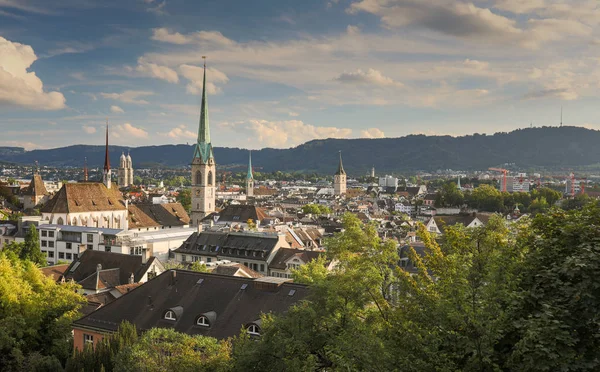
197 192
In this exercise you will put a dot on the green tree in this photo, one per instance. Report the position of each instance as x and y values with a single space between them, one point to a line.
578 202
31 248
486 198
315 209
185 198
161 349
35 316
449 196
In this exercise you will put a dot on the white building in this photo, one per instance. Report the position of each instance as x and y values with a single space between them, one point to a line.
404 208
388 181
520 183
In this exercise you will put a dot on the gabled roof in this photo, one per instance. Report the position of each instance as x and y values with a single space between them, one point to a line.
151 215
85 197
36 186
85 269
285 254
54 272
236 269
240 214
236 302
465 220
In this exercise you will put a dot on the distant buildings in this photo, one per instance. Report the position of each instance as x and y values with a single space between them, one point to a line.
388 181
36 192
519 183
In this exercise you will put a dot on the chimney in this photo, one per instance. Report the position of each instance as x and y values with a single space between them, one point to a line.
131 279
173 277
99 267
144 256
200 227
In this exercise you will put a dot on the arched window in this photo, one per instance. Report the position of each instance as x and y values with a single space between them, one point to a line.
169 315
210 178
60 221
198 178
203 321
74 223
253 330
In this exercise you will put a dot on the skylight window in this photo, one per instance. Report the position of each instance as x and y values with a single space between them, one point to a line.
244 286
169 315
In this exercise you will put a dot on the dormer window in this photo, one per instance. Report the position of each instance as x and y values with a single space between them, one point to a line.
203 321
253 330
170 315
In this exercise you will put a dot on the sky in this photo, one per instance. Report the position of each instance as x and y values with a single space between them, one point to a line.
280 73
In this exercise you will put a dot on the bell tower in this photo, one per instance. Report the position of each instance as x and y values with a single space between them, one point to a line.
339 179
203 166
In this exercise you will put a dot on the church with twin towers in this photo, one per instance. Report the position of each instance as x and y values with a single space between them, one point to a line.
204 175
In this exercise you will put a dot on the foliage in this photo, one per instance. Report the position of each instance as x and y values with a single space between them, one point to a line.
162 349
316 209
185 198
578 202
251 224
28 250
193 266
35 316
449 196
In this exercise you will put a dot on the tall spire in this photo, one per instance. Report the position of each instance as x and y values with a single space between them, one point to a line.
561 116
203 148
340 167
106 158
250 176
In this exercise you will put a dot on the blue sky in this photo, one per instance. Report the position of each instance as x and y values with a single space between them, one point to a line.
283 72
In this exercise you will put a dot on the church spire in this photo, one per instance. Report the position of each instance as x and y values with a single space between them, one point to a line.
106 157
340 170
203 148
85 170
250 176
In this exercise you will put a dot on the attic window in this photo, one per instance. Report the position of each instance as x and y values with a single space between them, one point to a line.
109 202
76 203
203 321
93 202
253 330
292 292
244 286
236 218
170 315
200 281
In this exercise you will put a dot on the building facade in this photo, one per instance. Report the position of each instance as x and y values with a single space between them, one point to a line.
203 167
125 175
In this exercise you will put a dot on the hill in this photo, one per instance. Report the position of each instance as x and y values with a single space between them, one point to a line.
549 147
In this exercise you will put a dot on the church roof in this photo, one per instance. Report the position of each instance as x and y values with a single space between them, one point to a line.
36 186
340 170
84 197
151 215
203 149
106 157
250 176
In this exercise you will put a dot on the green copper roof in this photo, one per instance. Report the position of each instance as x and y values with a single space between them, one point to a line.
250 176
203 148
340 167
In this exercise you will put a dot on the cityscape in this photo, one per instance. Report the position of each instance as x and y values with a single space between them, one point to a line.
233 242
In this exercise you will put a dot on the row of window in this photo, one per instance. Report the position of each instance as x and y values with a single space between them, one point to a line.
203 321
48 243
61 255
46 233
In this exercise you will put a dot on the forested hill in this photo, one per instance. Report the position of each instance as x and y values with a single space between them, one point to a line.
546 147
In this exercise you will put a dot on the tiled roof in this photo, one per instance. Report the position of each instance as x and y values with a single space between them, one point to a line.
54 272
233 303
36 187
85 197
233 268
284 254
151 215
124 288
241 213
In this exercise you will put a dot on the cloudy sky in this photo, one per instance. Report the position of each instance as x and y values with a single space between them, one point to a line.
284 72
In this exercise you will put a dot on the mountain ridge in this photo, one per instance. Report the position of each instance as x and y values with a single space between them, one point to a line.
529 147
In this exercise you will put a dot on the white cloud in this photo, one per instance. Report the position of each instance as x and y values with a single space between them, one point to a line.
372 133
88 129
156 71
116 109
294 114
159 9
371 76
25 144
126 130
213 37
20 87
129 96
195 75
281 134
180 133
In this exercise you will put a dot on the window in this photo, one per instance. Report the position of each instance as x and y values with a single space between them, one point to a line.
90 247
210 178
69 246
44 243
44 233
90 238
262 267
88 339
44 253
208 259
432 228
75 255
253 330
51 234
61 255
69 256
51 244
60 221
183 258
198 178
51 254
106 249
169 315
203 321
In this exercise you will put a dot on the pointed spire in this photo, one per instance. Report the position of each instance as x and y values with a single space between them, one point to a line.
204 130
250 176
85 169
106 158
561 116
340 167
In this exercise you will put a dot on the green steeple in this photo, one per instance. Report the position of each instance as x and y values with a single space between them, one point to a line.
203 148
250 176
340 170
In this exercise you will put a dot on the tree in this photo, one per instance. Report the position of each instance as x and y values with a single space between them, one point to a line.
185 198
315 209
161 349
449 196
35 316
486 198
31 248
578 202
556 308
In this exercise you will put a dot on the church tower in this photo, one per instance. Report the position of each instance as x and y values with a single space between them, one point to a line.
203 167
339 179
106 174
122 174
250 178
129 170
